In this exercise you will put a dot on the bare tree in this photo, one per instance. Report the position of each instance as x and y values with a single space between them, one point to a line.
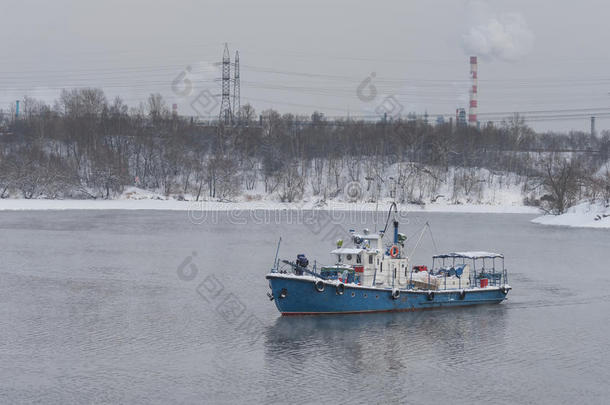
292 184
561 182
157 108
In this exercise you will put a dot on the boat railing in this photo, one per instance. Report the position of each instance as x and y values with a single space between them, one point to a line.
495 277
295 268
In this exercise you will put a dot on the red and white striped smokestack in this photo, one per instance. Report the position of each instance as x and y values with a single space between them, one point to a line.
472 112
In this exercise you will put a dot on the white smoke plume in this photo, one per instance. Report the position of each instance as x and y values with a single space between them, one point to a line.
505 36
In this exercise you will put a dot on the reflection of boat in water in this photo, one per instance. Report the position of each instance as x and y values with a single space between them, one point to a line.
373 276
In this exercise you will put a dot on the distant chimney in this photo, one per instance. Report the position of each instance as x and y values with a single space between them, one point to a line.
593 133
474 81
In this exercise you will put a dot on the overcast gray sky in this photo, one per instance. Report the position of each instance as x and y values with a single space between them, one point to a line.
301 56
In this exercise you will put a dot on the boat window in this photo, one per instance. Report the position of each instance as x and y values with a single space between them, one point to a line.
339 258
358 259
370 259
348 257
381 268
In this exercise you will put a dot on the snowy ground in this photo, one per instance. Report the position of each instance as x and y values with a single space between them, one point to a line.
175 205
585 215
137 199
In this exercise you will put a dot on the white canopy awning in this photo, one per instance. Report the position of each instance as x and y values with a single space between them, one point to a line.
470 255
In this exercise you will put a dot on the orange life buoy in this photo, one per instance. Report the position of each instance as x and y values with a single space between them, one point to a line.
394 251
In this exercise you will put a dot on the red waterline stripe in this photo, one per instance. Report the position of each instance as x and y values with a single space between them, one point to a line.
385 310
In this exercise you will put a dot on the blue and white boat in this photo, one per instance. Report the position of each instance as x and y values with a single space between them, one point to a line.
373 275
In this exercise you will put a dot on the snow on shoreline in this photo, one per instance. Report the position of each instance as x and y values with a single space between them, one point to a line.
134 198
176 205
584 215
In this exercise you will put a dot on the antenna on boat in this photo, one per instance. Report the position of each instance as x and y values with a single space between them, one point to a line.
376 214
277 251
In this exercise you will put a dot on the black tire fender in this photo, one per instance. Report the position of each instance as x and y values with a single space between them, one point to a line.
340 288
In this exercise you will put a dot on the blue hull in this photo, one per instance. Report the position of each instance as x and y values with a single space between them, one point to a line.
299 296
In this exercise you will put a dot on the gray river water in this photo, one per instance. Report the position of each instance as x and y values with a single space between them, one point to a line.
149 307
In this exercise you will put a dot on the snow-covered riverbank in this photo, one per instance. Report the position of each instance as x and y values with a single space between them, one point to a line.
138 199
175 205
585 215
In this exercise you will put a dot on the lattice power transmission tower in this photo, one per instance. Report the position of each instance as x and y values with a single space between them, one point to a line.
236 90
225 104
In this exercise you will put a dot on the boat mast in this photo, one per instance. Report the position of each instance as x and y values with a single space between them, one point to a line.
387 221
277 251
